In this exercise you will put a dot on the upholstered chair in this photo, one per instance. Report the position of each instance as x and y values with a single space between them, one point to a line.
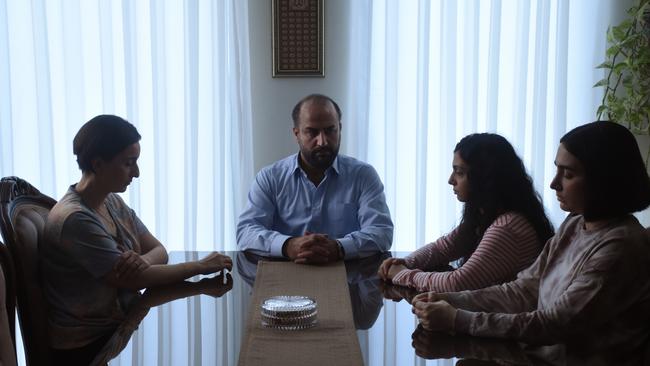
23 211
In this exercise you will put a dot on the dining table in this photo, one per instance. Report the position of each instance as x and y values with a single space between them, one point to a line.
205 321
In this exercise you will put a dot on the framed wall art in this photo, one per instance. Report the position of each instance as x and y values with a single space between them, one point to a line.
298 40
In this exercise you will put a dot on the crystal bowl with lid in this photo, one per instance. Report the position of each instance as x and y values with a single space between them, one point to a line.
289 312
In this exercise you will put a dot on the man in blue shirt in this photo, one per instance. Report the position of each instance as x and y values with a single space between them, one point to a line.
316 206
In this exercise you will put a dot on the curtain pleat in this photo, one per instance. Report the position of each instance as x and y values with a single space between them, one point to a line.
355 139
422 116
6 125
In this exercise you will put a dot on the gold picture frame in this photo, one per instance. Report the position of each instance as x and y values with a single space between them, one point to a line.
298 40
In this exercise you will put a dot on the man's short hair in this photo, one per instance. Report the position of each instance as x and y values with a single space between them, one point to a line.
617 182
104 136
317 98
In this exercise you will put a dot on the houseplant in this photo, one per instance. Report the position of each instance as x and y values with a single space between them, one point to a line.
627 83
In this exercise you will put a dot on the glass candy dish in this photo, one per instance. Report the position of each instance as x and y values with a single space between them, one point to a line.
289 312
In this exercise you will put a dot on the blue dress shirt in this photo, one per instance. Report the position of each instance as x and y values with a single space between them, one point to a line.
348 205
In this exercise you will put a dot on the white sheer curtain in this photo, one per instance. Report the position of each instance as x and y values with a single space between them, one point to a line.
426 73
178 70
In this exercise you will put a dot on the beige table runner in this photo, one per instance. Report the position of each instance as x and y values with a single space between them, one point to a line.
332 342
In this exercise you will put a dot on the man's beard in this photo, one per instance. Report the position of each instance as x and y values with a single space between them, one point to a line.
323 157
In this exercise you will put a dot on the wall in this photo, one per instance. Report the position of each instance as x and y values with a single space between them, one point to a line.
274 98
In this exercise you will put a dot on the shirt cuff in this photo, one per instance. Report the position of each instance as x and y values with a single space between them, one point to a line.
349 247
463 321
276 245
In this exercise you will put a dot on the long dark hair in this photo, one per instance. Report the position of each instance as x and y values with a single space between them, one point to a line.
498 183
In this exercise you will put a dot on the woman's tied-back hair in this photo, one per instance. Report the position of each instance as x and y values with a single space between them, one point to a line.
616 179
104 136
498 183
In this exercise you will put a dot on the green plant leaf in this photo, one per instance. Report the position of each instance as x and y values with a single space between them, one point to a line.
619 67
625 25
603 82
612 50
643 7
610 35
630 39
627 81
605 65
621 31
626 96
644 58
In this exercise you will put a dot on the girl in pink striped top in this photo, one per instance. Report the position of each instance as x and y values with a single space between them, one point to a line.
502 230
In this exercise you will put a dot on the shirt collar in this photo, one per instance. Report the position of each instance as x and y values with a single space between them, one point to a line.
335 165
295 166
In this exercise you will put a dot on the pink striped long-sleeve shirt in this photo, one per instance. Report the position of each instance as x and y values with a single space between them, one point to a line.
508 246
